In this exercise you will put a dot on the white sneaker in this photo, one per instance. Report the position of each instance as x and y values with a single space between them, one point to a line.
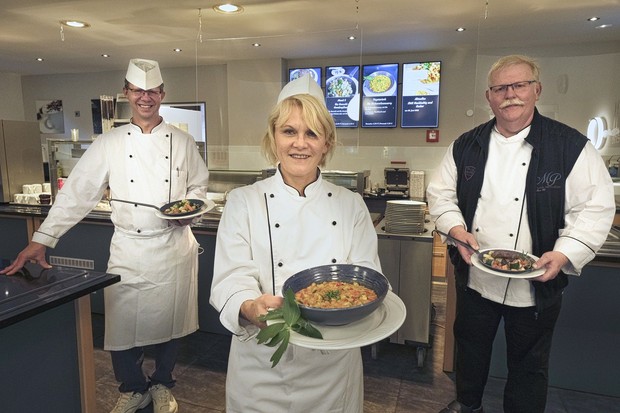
131 401
163 400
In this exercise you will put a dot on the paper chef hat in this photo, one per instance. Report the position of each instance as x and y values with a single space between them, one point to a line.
144 73
302 85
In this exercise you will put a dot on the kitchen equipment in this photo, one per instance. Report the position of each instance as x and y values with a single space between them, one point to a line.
21 161
355 181
397 181
366 277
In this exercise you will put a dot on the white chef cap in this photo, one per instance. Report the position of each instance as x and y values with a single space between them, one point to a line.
144 73
302 85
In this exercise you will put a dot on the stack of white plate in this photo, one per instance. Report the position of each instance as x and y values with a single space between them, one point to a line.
405 216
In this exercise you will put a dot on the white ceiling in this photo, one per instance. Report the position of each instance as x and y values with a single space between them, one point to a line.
290 29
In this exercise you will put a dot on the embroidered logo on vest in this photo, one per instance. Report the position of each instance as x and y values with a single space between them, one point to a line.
470 171
548 181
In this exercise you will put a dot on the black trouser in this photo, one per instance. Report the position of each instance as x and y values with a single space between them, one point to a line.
528 341
127 366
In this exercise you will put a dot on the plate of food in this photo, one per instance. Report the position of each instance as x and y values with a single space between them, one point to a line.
341 86
379 83
185 208
380 324
297 73
507 263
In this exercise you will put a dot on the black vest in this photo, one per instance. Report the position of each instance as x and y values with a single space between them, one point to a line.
555 149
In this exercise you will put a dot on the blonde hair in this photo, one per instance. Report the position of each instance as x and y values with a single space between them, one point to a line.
314 113
511 60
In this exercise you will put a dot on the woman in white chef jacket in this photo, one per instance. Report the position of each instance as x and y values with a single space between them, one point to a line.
268 232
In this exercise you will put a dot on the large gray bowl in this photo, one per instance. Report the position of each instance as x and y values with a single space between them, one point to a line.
339 272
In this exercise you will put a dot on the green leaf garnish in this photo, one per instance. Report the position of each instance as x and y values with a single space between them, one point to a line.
280 333
291 309
269 332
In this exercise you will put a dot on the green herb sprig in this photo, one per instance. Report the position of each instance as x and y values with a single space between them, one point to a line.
280 333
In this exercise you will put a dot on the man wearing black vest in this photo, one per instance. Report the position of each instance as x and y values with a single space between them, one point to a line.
524 182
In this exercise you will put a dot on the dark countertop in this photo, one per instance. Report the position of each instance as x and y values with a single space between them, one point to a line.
36 290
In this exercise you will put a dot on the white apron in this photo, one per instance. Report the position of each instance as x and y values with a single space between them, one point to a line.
156 299
329 225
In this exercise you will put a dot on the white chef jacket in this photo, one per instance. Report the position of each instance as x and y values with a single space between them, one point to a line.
268 233
156 299
502 211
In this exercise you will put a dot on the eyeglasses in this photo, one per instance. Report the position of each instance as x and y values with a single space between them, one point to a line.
150 93
517 87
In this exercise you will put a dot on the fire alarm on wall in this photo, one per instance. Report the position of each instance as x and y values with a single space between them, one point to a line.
432 135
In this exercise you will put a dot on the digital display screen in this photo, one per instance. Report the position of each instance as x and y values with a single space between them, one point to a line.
314 72
342 95
420 108
379 95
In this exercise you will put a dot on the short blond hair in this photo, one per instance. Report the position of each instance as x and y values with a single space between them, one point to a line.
314 113
515 59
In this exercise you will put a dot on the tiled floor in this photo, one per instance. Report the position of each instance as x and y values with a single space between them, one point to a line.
393 382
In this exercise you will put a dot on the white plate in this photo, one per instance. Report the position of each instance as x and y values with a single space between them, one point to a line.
531 274
381 323
208 206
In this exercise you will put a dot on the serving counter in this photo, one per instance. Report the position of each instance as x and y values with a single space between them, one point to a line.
46 338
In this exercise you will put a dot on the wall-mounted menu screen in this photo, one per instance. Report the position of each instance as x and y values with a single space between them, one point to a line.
342 94
314 72
379 95
420 95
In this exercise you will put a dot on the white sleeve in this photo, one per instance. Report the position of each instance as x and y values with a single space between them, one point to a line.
589 210
441 195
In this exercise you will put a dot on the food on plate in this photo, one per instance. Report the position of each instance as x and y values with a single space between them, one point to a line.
296 74
433 71
379 83
339 87
181 207
335 294
507 260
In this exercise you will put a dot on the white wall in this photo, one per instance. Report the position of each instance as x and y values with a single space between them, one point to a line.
239 96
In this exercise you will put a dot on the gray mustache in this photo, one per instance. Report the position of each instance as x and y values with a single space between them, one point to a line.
511 102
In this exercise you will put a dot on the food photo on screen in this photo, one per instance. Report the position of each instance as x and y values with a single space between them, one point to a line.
342 94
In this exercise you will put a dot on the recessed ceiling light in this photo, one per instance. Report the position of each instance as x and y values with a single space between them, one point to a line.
75 23
593 19
351 37
177 50
603 26
40 59
461 29
105 55
256 44
228 8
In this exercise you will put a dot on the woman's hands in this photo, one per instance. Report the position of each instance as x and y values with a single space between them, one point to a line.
252 309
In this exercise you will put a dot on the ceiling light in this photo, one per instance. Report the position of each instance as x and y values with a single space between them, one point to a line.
256 44
593 19
75 23
603 26
177 50
228 8
460 29
351 37
40 59
105 55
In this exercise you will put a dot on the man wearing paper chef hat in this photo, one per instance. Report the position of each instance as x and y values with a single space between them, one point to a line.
145 164
273 229
144 89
